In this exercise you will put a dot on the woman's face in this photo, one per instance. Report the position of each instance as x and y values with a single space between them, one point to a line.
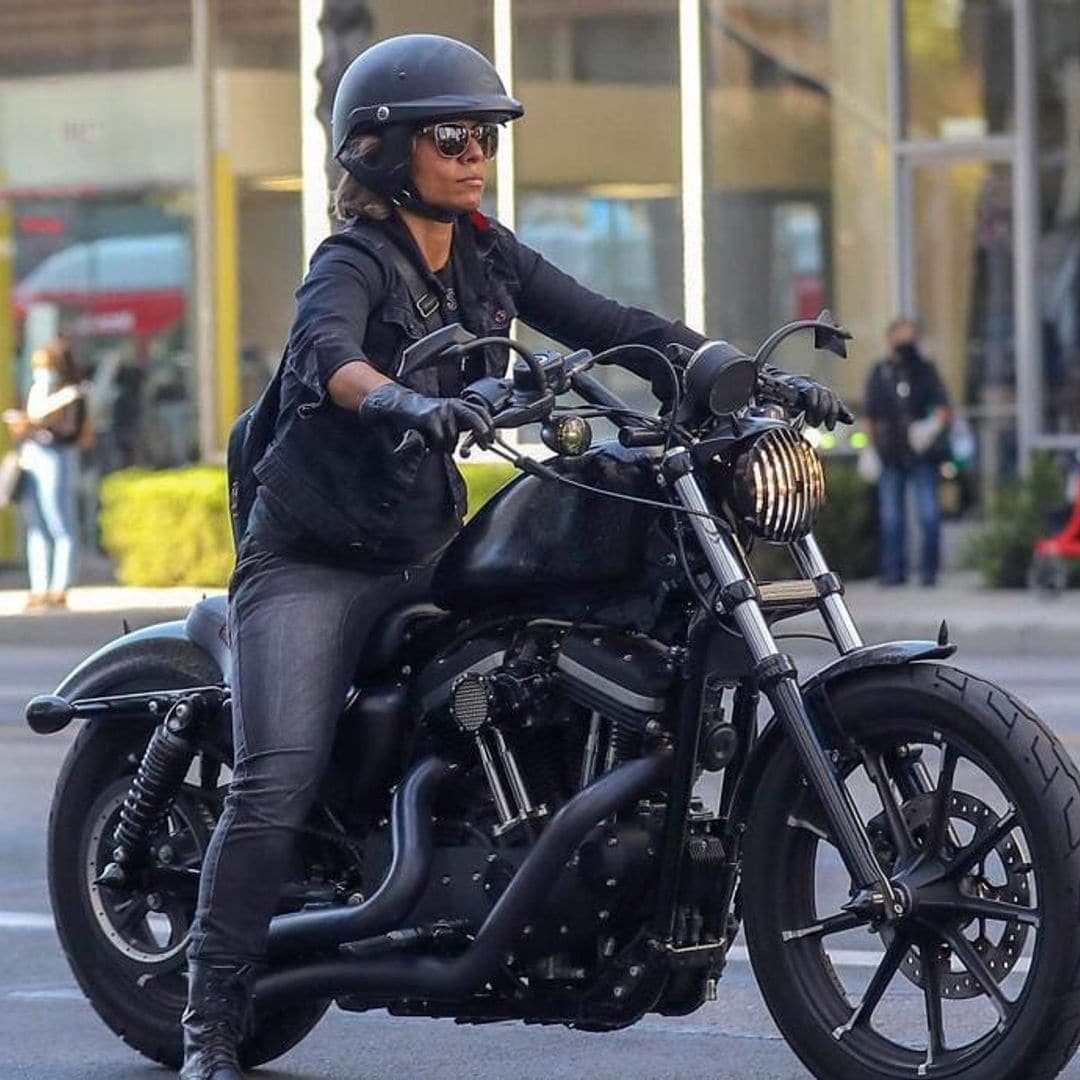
450 183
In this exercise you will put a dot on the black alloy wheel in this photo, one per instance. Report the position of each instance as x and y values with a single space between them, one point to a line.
971 805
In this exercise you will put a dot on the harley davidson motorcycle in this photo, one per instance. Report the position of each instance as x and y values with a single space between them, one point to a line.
551 799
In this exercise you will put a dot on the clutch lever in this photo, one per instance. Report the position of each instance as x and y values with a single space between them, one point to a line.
515 416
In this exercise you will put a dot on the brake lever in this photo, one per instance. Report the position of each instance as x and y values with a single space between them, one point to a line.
516 416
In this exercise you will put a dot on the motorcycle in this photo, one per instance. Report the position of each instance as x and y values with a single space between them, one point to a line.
551 798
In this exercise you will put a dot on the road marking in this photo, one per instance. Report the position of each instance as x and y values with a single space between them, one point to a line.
63 994
860 958
863 958
25 920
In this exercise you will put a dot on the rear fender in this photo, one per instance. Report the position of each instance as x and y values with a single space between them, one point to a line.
156 657
815 692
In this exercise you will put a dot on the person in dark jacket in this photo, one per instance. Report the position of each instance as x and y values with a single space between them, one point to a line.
907 407
358 493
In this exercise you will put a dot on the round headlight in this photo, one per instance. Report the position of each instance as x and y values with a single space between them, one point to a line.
779 485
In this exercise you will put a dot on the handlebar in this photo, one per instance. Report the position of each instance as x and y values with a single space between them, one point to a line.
773 390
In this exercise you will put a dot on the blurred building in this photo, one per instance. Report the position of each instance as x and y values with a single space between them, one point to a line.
736 163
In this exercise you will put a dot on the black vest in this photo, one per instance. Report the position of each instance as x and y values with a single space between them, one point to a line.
341 480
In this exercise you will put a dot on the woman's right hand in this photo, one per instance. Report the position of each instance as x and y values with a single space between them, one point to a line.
440 420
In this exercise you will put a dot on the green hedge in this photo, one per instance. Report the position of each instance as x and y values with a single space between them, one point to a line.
171 526
167 527
1018 514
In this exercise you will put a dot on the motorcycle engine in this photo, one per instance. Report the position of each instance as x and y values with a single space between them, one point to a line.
540 715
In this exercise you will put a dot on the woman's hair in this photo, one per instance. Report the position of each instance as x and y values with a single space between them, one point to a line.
58 357
351 198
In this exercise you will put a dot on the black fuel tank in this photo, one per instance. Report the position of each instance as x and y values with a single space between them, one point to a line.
536 536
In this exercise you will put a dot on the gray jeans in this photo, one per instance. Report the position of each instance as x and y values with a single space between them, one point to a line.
297 630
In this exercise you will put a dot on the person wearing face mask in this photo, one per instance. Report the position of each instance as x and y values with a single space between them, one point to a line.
907 409
357 491
49 430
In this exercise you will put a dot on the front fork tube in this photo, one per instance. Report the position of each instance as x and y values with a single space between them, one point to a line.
778 678
834 611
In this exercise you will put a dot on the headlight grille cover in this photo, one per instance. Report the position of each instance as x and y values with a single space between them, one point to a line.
780 485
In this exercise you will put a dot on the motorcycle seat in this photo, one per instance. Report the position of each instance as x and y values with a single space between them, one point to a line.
390 634
207 627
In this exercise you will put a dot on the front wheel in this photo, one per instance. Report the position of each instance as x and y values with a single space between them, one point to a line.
973 807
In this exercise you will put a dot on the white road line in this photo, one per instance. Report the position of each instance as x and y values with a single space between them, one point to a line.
65 993
860 958
864 958
25 920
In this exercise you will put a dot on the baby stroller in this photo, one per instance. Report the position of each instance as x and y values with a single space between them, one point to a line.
1049 571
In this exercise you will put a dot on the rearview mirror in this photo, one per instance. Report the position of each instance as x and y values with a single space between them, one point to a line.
831 337
427 352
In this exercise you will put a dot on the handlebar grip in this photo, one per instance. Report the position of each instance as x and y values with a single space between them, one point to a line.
595 392
631 437
778 391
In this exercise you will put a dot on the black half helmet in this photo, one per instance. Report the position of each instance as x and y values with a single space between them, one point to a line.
397 85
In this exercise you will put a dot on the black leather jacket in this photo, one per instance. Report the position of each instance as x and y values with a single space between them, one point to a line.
346 493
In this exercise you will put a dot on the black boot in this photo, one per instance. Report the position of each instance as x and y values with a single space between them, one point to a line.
216 1019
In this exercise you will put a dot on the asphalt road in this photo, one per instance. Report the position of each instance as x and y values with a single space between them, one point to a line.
48 1031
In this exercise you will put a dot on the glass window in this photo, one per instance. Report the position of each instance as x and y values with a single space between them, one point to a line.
1058 256
958 68
258 241
598 152
97 156
963 262
797 175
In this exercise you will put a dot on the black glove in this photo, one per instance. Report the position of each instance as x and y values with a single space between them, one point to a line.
439 420
821 406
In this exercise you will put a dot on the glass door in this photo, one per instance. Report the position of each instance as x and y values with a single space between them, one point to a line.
961 288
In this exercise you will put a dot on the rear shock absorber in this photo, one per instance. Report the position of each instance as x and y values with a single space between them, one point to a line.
165 763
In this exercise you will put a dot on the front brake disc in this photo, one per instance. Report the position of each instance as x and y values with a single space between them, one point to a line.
998 942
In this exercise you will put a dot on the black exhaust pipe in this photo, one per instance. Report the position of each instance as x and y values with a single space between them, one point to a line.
410 830
427 977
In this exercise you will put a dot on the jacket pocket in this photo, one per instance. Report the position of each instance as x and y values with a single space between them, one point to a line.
400 325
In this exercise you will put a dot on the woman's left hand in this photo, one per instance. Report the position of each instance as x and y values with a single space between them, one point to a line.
19 423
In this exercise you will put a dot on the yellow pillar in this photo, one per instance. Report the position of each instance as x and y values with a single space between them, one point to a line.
227 304
8 382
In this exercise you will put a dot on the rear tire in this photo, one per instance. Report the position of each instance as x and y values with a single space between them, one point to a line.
137 989
1032 1034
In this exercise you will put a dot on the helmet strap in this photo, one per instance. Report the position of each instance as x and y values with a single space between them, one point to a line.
409 200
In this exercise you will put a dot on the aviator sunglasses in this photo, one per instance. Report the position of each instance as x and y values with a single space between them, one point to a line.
452 140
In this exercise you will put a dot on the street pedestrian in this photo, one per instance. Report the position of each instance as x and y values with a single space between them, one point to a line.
358 493
908 415
50 431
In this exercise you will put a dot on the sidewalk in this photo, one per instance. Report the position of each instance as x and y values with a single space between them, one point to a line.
1014 622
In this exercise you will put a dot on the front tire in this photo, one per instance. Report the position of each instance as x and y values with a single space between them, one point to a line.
997 938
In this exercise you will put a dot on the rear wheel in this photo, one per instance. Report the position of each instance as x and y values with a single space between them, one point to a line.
126 949
973 808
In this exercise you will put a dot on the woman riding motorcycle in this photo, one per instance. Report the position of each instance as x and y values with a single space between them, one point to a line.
358 493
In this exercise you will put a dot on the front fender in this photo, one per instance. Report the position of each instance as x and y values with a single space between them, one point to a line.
885 654
160 656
